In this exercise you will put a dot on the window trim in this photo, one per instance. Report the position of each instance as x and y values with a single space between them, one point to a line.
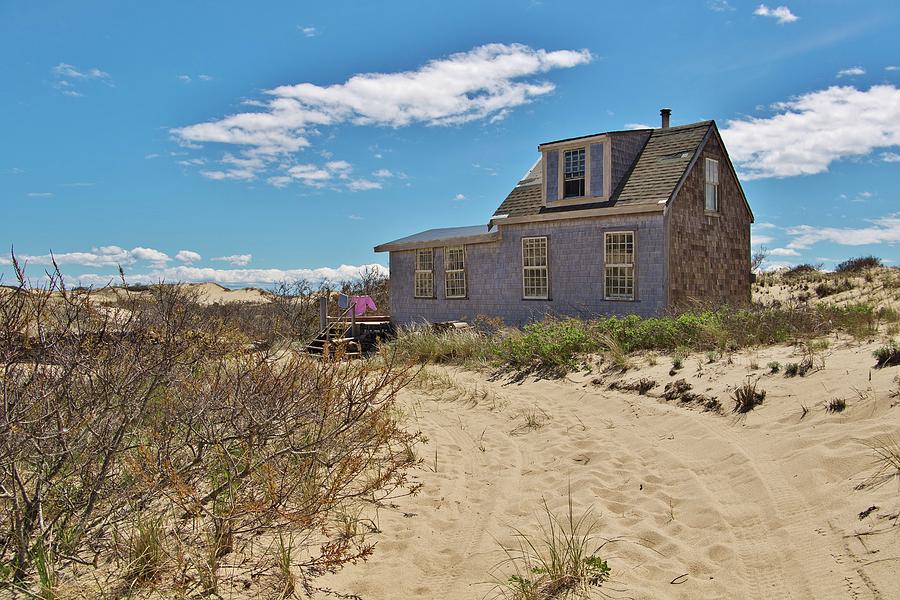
633 265
417 271
448 270
584 176
715 185
546 267
561 147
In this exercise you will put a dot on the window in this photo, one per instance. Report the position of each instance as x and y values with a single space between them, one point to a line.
619 262
424 283
535 278
573 173
455 271
712 185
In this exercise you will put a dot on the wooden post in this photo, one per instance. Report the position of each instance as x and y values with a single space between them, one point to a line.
353 324
323 314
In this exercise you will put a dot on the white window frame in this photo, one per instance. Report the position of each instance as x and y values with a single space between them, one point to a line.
711 185
448 271
607 265
545 268
423 272
584 173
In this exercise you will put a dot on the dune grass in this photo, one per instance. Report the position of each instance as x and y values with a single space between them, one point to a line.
560 345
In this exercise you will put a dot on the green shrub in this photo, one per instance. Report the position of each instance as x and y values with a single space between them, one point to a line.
791 369
774 366
887 355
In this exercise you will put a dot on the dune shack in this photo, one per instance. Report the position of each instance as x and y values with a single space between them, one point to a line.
642 222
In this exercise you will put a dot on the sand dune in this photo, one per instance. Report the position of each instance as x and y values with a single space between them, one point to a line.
763 506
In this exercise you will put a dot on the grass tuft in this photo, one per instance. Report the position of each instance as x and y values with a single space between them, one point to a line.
888 355
561 561
746 397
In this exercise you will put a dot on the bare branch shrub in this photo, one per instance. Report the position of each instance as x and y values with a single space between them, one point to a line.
145 444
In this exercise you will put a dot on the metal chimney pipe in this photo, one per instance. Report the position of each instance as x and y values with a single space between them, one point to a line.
665 113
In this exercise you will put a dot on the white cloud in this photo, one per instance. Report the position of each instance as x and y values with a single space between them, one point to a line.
261 277
188 256
65 77
40 194
308 30
782 13
862 197
382 173
104 256
203 77
851 72
183 78
764 225
354 217
719 5
813 130
236 260
892 68
758 240
638 126
468 86
882 230
890 157
151 156
360 185
783 252
460 196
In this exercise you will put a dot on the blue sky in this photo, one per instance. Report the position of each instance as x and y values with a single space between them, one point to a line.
253 142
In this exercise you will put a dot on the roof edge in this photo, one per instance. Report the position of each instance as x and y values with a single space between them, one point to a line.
398 245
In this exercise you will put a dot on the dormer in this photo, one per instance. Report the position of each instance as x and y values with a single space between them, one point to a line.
577 170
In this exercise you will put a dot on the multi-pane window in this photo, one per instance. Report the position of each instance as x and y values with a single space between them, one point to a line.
535 277
455 271
618 260
712 185
424 279
573 173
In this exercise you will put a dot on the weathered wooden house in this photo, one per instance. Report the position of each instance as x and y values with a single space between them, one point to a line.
642 221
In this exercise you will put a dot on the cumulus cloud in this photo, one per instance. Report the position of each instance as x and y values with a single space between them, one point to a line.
382 173
66 78
308 30
235 260
782 14
851 72
460 196
483 83
188 256
811 131
359 185
244 277
890 157
758 240
883 230
783 252
104 256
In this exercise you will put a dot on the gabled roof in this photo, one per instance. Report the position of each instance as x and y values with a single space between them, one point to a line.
654 177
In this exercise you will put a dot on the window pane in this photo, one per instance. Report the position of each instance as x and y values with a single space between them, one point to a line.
573 166
424 259
454 258
620 283
620 248
424 284
535 282
534 252
712 197
456 284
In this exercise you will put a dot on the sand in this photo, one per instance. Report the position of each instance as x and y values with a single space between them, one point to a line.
761 506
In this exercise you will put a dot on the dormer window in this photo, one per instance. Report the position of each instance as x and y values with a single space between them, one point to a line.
573 173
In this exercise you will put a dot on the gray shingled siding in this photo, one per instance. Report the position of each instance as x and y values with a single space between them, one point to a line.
552 175
625 149
596 154
494 274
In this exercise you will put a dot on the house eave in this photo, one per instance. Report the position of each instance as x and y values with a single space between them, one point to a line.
483 238
581 214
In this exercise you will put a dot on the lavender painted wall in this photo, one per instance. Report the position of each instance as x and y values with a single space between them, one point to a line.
494 274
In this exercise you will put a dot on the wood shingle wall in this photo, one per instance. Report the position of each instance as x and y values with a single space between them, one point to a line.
708 255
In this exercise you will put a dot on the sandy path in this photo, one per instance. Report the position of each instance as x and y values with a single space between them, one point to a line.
761 507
